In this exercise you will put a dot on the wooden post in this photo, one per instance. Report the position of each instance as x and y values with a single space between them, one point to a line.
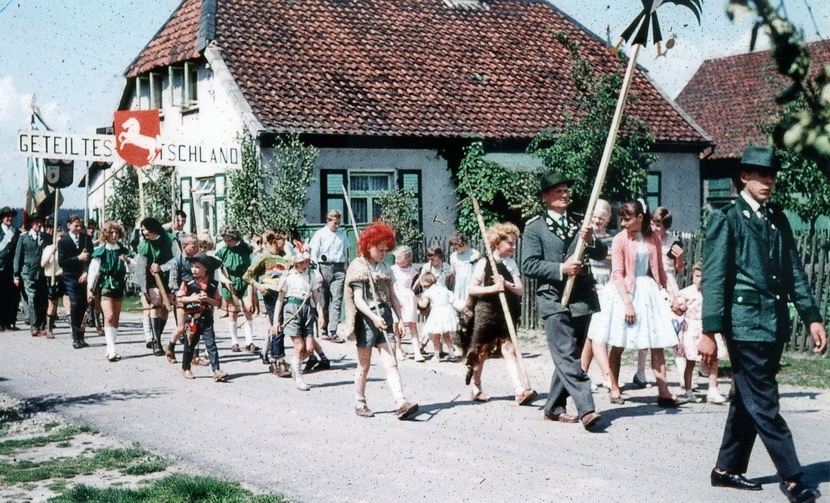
603 165
55 239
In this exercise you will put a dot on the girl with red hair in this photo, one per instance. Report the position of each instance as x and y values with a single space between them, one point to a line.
370 300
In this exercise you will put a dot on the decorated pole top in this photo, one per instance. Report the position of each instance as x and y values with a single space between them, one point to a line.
637 31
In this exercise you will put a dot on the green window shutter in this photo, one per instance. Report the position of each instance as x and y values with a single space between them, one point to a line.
331 193
411 180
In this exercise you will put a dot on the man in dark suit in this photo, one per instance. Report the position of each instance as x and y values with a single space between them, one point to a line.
751 269
74 251
8 291
27 269
548 255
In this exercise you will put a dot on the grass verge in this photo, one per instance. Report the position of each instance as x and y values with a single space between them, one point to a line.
174 488
805 370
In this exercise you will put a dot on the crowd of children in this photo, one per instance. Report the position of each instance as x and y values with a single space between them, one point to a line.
457 301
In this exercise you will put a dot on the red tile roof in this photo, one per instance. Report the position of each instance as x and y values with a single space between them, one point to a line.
729 97
412 67
175 42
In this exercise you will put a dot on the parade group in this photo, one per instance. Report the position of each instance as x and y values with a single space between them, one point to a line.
624 296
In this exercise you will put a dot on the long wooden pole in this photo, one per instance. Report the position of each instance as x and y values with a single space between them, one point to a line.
55 239
603 165
508 318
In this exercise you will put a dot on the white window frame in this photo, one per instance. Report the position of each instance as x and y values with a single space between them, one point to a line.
369 195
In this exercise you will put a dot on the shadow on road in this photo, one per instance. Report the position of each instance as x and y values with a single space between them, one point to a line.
45 403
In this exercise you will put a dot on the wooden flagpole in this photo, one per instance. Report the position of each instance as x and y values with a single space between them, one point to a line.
603 165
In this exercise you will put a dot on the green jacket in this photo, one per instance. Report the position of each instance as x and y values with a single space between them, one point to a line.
750 271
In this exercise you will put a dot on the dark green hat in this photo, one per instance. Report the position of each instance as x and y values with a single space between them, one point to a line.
35 216
552 179
5 210
755 157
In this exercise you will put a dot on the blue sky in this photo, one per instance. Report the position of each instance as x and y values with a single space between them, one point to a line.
72 56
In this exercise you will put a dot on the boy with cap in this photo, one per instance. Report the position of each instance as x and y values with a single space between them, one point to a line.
198 297
751 270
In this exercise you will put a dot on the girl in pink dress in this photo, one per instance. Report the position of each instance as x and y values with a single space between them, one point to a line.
690 332
402 275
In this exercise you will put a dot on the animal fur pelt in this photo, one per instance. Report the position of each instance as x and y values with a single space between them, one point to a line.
358 272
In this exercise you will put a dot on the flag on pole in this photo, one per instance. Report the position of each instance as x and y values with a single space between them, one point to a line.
40 196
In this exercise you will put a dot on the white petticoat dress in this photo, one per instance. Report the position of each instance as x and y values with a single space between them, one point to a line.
442 315
652 328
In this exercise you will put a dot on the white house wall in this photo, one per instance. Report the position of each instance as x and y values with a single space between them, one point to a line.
438 212
680 188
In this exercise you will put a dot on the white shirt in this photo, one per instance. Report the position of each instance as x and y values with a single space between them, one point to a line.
331 244
512 267
8 234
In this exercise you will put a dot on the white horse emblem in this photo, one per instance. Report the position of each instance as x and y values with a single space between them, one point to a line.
132 135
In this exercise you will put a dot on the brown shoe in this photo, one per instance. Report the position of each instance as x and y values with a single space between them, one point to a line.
35 332
49 334
525 397
220 376
187 374
562 417
363 411
590 420
406 410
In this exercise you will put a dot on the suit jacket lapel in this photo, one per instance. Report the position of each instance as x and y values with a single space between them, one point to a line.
751 219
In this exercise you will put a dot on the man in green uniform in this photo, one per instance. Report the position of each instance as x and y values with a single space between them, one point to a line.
751 270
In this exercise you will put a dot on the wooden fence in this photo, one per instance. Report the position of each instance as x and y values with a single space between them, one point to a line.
814 250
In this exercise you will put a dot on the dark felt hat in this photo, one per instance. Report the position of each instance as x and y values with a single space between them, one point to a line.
5 210
35 216
756 156
205 260
552 179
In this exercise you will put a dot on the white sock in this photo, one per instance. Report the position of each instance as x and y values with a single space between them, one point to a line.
148 335
232 329
110 333
248 330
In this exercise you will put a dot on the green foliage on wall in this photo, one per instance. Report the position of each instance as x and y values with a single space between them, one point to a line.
124 205
397 211
278 185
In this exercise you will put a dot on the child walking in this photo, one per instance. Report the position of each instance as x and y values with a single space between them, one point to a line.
442 320
198 297
297 300
690 332
634 315
403 273
370 300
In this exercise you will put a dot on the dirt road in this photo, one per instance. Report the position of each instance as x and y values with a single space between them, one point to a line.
310 446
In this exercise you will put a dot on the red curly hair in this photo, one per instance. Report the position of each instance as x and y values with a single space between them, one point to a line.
376 234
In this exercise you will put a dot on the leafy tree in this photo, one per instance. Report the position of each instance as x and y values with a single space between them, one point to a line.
576 148
801 188
503 194
396 210
124 204
279 185
807 132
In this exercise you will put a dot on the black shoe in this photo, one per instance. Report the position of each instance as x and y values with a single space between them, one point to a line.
642 384
734 480
265 359
310 364
157 351
671 403
801 493
76 345
323 365
83 344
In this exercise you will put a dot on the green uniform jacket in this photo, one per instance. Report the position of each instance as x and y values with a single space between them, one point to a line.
545 246
750 271
27 256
